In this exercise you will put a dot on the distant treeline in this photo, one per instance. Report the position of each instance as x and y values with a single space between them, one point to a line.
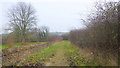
35 35
102 32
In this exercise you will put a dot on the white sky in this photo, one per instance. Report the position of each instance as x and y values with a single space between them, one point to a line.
58 15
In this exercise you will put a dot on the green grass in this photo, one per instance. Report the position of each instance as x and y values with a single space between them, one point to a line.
4 46
18 44
42 55
36 42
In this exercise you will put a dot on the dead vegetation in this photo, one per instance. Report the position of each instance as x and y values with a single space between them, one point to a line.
100 38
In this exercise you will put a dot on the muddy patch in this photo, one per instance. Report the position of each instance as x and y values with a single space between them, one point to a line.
13 56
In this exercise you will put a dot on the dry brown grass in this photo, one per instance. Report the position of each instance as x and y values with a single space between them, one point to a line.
104 59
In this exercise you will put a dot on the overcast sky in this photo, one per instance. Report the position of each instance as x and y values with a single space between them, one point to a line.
58 15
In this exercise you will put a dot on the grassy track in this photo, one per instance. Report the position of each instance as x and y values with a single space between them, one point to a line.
58 54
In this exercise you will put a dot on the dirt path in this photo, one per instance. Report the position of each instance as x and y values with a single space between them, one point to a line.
59 54
58 59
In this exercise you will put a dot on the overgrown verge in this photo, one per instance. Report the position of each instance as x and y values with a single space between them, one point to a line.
75 58
83 57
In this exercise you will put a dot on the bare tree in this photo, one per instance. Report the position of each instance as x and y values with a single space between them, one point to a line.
22 19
